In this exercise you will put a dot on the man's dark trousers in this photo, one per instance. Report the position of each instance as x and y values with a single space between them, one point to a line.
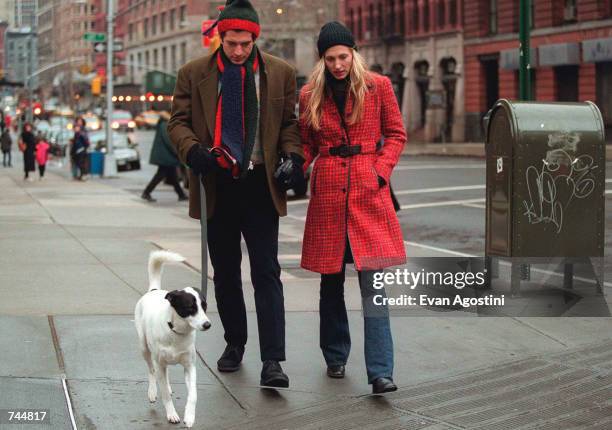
244 206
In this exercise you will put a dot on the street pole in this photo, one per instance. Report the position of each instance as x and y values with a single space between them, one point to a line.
110 164
525 91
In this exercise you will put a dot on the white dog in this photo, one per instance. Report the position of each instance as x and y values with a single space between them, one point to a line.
166 323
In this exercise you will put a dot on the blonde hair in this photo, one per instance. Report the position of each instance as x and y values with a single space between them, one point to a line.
359 81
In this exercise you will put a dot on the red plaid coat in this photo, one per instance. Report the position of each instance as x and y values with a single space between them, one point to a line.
345 195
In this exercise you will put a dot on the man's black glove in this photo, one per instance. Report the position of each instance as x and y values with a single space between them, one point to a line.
290 173
201 160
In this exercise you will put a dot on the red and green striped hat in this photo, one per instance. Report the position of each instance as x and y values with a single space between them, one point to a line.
239 15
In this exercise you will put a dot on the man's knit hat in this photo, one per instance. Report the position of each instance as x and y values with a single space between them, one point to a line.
239 15
334 33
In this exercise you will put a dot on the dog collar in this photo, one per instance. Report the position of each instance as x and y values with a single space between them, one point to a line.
171 326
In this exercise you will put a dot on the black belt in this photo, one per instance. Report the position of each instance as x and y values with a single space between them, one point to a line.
345 150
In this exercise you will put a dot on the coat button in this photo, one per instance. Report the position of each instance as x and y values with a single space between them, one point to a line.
344 190
343 164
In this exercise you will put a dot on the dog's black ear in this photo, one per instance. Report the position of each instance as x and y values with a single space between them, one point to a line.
171 296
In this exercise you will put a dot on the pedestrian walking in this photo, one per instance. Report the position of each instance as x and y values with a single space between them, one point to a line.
163 155
219 103
78 151
27 145
42 156
344 112
5 144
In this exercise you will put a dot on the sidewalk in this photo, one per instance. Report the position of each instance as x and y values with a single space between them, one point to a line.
458 149
73 265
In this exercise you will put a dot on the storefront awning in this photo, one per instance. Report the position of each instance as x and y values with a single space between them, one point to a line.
559 54
597 50
510 59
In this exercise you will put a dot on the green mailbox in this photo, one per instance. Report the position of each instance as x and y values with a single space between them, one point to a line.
545 180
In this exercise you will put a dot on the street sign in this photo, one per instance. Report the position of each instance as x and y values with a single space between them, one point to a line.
95 37
101 47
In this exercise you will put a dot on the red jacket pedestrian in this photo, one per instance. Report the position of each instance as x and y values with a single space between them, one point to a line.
345 194
344 112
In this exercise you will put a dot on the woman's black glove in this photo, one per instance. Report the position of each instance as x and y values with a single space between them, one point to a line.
381 181
201 160
290 173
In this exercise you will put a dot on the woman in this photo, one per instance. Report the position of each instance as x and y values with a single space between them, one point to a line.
163 155
344 112
27 144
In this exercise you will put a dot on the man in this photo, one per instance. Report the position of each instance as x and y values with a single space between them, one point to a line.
233 117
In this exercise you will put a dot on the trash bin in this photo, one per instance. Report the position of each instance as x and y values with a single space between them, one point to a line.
545 180
96 163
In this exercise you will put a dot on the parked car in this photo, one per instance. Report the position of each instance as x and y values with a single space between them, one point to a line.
147 119
122 120
124 149
92 122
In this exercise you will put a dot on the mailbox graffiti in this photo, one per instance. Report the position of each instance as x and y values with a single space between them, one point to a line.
561 180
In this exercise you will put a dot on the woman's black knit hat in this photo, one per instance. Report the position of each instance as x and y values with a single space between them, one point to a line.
334 33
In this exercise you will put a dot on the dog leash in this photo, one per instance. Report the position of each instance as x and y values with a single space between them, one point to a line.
204 238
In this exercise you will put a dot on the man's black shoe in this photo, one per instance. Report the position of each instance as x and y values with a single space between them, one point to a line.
230 359
336 371
272 375
183 198
148 197
383 385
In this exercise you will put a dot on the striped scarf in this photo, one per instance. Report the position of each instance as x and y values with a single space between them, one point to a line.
237 113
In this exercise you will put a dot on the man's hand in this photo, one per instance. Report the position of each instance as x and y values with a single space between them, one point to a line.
289 173
200 160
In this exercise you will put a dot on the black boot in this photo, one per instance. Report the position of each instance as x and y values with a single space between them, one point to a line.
146 196
272 375
336 372
383 385
230 359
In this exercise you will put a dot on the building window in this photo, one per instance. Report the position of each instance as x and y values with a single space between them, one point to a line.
380 24
569 11
154 25
148 59
131 32
155 57
182 14
370 21
351 23
173 57
390 17
426 17
453 12
183 53
359 24
164 58
441 14
415 16
493 16
146 27
172 18
163 22
402 17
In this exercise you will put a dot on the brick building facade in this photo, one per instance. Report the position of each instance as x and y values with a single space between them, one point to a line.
571 57
419 45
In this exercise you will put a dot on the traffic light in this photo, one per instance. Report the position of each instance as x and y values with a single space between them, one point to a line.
96 86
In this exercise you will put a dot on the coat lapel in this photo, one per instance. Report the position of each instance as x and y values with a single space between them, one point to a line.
264 98
209 88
